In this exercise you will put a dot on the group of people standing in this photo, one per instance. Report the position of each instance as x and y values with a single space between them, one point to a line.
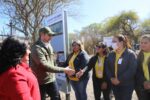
113 71
119 71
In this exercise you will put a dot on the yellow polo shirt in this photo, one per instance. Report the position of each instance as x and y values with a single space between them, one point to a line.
71 65
145 65
118 55
99 67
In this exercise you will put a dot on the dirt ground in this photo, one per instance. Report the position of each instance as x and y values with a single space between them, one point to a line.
89 93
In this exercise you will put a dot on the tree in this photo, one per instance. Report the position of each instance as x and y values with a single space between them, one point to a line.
90 35
27 15
145 25
125 23
72 37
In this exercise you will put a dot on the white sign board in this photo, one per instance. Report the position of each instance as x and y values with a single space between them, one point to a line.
108 41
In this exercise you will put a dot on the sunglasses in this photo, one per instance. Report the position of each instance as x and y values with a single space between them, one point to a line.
100 46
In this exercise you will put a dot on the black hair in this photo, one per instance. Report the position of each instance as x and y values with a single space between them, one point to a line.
104 46
101 45
11 52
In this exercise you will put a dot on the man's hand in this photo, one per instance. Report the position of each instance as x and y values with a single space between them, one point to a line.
79 73
104 86
69 71
115 81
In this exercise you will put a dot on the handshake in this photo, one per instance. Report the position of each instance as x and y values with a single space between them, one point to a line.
71 72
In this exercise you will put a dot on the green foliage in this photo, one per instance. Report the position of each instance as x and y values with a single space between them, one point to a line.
111 24
146 26
91 29
126 23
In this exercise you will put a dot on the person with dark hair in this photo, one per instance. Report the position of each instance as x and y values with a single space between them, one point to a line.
17 82
143 71
110 48
42 63
78 60
98 64
121 68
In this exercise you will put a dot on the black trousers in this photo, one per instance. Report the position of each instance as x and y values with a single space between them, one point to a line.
51 89
123 92
98 91
142 94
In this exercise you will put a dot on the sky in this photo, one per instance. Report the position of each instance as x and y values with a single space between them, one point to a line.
96 11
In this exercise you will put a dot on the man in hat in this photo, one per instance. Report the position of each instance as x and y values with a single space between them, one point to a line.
42 63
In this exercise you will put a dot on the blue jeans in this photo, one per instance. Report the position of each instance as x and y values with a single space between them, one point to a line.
123 92
79 88
51 89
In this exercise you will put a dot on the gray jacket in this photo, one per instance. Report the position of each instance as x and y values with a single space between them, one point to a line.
42 63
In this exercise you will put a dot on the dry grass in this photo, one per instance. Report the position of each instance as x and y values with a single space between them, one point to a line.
89 93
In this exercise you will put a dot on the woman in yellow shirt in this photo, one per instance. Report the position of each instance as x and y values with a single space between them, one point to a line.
143 71
78 60
121 68
97 63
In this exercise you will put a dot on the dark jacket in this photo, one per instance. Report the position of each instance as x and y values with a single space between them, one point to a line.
42 63
80 62
140 74
127 68
91 65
